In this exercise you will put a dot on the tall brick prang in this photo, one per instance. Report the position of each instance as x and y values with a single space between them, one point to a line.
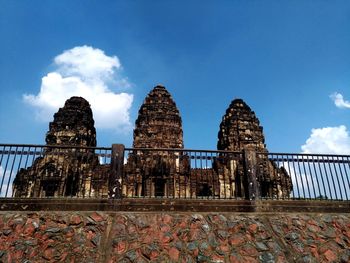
66 171
159 125
240 131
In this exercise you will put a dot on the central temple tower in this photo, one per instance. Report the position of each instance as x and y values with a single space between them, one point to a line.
152 171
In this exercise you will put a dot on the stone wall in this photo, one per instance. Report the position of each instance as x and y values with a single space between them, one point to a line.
173 236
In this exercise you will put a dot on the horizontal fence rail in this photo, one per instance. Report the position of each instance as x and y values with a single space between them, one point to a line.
43 171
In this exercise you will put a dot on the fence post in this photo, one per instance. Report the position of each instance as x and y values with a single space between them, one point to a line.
117 163
250 170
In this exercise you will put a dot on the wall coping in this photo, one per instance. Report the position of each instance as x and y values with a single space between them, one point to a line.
170 205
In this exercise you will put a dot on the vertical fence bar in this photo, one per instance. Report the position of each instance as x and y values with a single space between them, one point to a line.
193 157
346 174
301 177
295 176
337 177
2 154
224 179
342 177
306 177
315 173
330 170
322 176
9 176
289 172
5 169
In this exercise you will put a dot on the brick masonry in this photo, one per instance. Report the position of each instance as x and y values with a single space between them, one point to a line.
173 237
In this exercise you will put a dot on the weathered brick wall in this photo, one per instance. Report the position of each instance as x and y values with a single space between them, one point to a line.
173 236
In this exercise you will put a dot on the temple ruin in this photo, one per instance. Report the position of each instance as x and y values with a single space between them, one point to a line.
240 131
157 172
62 171
157 165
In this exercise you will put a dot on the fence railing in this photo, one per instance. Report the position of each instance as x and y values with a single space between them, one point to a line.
42 171
53 171
316 176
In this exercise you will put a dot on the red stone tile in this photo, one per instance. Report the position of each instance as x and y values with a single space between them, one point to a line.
120 247
48 253
330 256
75 220
235 259
249 250
97 217
236 240
253 228
174 254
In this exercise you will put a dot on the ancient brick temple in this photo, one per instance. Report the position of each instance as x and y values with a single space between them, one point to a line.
240 131
157 172
157 165
65 171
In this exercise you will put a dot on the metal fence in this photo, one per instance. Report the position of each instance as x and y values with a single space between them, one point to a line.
316 176
42 171
53 171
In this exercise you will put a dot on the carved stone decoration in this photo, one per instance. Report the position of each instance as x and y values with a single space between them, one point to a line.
66 171
240 131
156 172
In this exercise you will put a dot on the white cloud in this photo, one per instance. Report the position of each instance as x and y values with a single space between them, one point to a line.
339 101
87 72
332 140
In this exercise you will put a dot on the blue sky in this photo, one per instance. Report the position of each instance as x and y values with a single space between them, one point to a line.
289 60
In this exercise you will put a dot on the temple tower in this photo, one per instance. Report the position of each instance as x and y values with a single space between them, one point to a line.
158 124
240 131
155 172
66 171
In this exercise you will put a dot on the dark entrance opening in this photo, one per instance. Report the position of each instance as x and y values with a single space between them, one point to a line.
159 186
204 190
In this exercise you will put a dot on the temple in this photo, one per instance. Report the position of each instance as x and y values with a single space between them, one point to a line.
64 171
157 172
157 165
240 131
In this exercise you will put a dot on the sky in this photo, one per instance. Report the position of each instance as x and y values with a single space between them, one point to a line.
288 60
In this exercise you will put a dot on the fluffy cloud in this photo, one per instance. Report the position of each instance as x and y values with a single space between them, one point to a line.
87 72
339 101
332 140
